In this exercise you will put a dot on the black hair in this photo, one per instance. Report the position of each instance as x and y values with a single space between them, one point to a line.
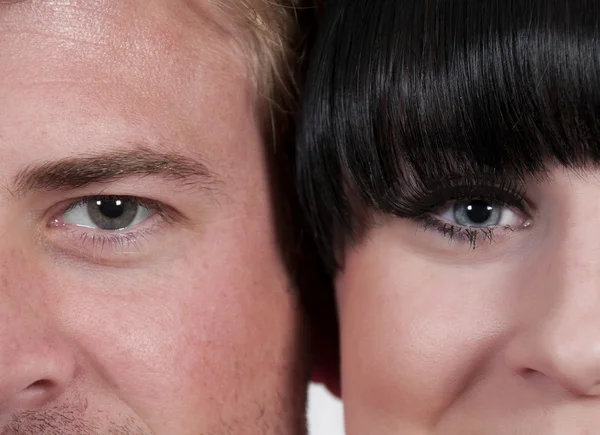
405 96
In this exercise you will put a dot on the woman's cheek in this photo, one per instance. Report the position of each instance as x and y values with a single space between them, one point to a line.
414 331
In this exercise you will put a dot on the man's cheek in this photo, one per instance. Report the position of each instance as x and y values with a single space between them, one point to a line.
151 334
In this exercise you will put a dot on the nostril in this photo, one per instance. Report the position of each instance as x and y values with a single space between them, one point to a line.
42 384
37 393
528 373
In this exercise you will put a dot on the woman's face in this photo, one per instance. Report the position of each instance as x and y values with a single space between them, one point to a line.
456 331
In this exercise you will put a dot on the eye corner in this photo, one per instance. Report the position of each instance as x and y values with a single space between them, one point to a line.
56 222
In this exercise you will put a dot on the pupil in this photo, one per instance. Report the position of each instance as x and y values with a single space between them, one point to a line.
479 212
112 213
112 208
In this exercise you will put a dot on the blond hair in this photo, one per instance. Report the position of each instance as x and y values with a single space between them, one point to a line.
270 36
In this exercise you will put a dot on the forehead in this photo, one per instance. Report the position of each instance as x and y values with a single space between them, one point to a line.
159 46
108 70
111 28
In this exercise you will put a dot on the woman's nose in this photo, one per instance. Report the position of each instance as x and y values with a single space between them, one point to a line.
560 336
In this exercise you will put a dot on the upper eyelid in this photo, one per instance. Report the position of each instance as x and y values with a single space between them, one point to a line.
418 199
501 203
512 199
137 200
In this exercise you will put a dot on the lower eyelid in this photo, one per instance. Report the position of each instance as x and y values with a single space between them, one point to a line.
89 242
468 235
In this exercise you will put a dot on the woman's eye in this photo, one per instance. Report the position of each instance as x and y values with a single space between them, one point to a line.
107 213
480 214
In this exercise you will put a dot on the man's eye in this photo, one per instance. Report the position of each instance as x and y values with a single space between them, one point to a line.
480 214
107 213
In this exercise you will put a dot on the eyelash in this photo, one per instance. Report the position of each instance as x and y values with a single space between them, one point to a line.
422 208
457 233
116 240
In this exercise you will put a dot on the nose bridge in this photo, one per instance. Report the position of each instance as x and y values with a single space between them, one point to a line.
561 338
36 362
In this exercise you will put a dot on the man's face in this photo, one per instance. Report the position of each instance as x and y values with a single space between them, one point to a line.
142 289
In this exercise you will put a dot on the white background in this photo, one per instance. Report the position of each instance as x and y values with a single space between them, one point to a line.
325 414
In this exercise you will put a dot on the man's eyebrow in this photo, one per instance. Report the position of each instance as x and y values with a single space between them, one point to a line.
78 172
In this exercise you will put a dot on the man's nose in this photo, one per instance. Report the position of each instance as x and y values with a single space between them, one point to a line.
559 336
36 364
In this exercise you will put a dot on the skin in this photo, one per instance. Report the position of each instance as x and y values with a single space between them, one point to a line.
438 338
189 325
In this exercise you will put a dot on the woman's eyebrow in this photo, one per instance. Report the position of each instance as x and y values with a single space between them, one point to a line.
78 172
